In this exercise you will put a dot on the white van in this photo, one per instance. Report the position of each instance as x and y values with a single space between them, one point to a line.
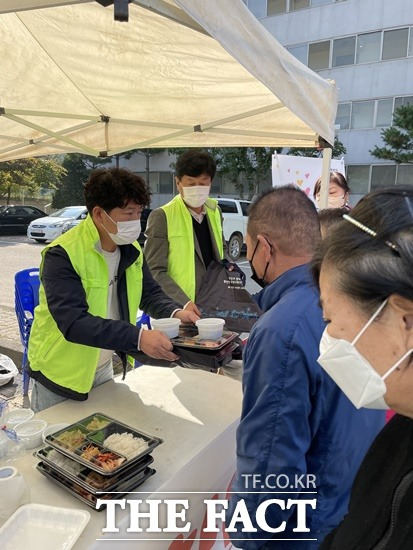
235 214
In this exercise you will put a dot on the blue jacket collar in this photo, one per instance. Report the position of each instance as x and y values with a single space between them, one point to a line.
293 278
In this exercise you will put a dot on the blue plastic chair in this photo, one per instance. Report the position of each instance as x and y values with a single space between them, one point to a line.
26 294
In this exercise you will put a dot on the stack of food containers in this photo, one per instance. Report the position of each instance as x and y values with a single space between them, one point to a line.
97 457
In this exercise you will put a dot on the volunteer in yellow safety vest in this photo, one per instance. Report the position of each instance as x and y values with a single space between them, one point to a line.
94 280
185 235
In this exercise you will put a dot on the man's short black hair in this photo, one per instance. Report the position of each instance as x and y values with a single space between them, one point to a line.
288 218
112 188
194 163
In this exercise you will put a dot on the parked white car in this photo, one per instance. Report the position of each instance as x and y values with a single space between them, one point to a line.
235 214
47 229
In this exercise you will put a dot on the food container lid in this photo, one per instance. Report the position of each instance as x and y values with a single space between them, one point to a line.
30 428
93 482
96 438
16 416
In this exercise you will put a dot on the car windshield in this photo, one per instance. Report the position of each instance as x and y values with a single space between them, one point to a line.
68 212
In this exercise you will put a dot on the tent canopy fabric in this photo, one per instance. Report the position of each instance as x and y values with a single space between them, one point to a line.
180 73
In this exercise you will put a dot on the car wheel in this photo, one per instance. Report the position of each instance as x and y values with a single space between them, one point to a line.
234 247
40 240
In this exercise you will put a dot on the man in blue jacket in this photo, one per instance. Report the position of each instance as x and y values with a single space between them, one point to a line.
298 432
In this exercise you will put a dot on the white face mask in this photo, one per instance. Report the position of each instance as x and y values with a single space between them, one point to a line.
352 372
128 232
196 196
334 202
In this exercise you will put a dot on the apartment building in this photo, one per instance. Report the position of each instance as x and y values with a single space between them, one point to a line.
366 46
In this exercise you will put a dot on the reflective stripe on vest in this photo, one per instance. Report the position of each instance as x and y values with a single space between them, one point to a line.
181 256
65 363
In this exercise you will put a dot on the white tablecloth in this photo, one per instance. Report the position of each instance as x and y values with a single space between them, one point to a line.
194 412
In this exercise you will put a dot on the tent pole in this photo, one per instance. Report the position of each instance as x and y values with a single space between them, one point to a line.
325 174
55 135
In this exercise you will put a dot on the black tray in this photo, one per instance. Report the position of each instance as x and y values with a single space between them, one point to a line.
81 478
95 437
66 484
189 338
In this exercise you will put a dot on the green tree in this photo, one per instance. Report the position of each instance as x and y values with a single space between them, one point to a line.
77 169
399 138
29 175
338 150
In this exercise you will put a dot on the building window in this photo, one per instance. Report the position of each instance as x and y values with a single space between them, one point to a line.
358 176
258 8
343 51
410 52
383 176
368 47
343 116
166 183
404 174
384 112
319 55
300 53
274 7
153 180
299 4
395 43
362 115
320 2
399 101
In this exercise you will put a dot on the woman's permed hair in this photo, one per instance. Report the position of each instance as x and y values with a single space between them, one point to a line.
371 253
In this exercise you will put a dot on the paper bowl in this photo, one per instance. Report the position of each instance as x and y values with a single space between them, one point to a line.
169 326
31 432
17 416
210 329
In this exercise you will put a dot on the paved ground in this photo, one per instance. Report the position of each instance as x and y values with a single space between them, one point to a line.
17 253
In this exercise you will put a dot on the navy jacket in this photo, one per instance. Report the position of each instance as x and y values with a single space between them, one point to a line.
295 420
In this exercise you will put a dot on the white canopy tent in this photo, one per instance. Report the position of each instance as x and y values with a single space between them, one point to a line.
180 73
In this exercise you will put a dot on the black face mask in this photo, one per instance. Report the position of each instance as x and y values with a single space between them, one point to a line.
260 281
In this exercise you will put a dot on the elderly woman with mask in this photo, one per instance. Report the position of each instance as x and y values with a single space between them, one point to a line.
365 272
338 193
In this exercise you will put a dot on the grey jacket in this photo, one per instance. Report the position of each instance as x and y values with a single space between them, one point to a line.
156 253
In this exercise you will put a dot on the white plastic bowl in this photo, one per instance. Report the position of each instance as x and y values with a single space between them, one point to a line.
53 429
169 326
210 329
31 432
17 416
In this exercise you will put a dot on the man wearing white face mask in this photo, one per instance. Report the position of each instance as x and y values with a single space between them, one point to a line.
94 280
185 235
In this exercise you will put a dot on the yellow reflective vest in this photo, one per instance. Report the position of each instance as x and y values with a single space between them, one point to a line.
181 256
66 363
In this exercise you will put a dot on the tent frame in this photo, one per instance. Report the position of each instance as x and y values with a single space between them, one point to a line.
214 126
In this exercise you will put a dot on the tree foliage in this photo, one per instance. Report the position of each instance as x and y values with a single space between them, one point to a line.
399 138
77 169
29 175
338 150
